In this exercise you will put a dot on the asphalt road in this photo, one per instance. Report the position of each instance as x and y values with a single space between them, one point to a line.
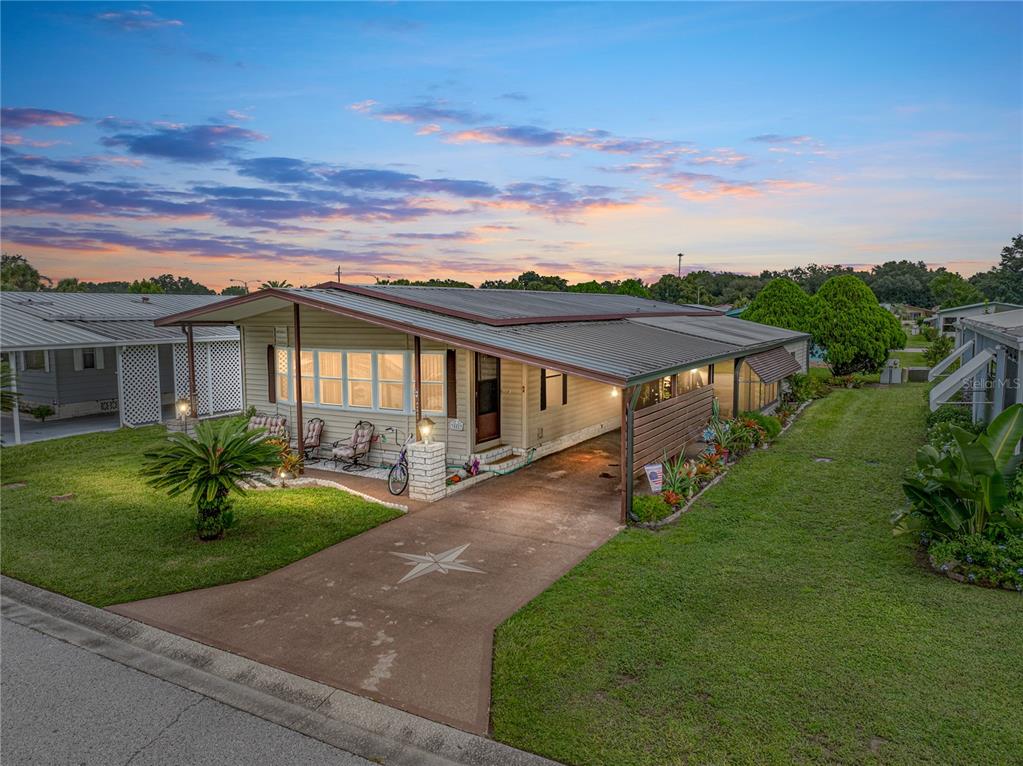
60 704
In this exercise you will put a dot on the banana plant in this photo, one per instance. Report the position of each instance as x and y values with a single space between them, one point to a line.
966 488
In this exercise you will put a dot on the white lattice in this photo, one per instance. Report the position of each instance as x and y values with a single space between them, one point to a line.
140 384
225 366
202 387
218 377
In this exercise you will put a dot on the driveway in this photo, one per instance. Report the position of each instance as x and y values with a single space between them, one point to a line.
405 612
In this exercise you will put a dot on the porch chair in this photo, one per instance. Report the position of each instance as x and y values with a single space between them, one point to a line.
311 439
276 425
355 448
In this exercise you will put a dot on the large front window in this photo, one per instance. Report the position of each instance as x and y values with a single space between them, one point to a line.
662 389
370 380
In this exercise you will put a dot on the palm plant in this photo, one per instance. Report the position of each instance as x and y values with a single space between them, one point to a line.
965 488
278 283
223 458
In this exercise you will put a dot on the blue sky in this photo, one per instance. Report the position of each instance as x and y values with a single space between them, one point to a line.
266 140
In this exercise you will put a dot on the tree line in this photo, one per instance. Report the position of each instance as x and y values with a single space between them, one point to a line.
896 282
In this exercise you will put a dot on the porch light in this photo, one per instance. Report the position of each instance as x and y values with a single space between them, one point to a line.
425 428
183 407
614 392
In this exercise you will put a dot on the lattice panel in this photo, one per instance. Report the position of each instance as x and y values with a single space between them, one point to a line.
225 365
202 392
140 384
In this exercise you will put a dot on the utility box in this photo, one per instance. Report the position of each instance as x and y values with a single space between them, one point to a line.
892 372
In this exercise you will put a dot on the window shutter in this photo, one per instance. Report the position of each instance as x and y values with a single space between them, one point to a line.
79 365
564 388
543 389
99 358
452 385
271 374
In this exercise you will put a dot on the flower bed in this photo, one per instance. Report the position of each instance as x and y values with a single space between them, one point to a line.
977 560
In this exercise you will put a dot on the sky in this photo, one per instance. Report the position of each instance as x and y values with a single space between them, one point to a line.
257 141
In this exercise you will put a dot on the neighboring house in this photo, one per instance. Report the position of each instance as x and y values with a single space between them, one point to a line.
909 316
502 373
945 320
988 349
90 353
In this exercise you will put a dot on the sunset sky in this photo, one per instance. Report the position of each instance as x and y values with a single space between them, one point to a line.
280 141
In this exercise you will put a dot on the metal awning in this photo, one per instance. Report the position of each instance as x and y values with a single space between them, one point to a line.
773 365
939 394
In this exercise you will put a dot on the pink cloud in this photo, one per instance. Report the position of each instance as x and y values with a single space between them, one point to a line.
28 117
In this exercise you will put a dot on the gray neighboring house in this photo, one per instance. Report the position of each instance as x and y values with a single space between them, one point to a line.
92 353
988 347
946 320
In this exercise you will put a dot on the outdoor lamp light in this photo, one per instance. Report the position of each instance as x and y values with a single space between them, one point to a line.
183 408
614 392
425 428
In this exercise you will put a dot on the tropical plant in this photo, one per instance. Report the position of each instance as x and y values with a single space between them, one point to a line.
278 283
785 412
290 462
743 434
8 397
41 412
938 350
677 477
769 424
223 458
966 489
803 387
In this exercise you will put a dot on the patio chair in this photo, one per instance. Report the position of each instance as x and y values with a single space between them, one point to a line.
311 439
352 450
276 425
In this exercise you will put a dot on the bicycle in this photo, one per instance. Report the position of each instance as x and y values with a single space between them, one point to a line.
397 477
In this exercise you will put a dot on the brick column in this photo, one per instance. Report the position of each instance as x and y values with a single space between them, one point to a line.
427 471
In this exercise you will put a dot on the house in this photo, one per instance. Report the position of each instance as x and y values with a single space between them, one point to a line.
988 349
503 374
945 320
89 353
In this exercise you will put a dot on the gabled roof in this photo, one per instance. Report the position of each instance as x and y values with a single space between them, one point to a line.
620 349
44 320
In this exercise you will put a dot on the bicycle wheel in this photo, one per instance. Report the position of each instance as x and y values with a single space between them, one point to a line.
397 478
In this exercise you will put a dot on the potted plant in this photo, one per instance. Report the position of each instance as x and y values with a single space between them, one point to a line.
220 460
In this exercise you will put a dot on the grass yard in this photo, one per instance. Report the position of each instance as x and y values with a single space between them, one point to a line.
910 358
119 540
778 622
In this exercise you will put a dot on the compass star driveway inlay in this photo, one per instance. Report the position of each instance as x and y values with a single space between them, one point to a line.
405 613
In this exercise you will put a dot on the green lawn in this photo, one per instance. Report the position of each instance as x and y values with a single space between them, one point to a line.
778 622
910 358
118 540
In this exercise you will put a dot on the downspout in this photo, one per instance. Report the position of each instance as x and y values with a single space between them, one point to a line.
735 385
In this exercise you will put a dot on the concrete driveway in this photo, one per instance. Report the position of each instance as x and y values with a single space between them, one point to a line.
405 612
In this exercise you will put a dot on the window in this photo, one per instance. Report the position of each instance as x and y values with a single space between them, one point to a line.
553 386
88 359
308 376
35 360
360 379
655 391
690 380
330 378
391 381
431 387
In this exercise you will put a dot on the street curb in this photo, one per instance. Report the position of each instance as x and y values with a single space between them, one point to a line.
358 725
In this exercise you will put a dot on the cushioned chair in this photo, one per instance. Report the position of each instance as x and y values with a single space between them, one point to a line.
311 439
276 425
349 453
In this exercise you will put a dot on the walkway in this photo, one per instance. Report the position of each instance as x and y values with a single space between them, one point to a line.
405 612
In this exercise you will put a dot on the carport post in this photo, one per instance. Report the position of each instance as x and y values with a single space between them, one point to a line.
300 425
629 398
190 344
16 411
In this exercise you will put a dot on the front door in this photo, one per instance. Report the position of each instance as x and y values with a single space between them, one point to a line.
488 398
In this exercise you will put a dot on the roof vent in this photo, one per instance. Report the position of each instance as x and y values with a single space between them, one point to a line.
145 299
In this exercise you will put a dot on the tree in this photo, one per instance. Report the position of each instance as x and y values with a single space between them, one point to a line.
781 303
672 289
593 286
852 328
902 282
144 286
633 287
1005 281
16 273
275 283
426 282
69 285
812 277
950 290
180 285
233 290
223 458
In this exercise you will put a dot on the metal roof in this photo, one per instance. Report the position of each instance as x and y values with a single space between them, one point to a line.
992 304
44 320
615 351
773 365
1006 323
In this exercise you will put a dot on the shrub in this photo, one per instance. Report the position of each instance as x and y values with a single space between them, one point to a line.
222 458
804 387
966 489
41 412
951 413
855 332
938 350
770 424
650 508
979 560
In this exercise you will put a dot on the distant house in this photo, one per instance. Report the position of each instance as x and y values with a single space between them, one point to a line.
988 348
946 320
503 374
90 353
909 316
